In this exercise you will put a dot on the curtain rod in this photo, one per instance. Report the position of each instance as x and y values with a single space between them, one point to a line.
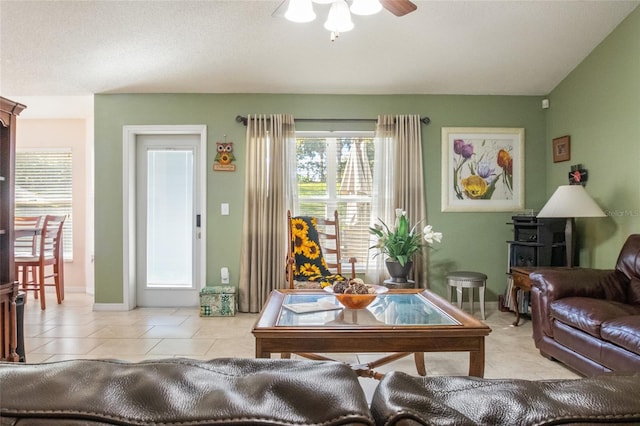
423 120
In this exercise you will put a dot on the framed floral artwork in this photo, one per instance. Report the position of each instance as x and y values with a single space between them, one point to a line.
482 169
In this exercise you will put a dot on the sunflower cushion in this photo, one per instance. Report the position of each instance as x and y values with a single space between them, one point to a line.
310 266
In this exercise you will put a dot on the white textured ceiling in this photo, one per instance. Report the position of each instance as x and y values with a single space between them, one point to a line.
71 48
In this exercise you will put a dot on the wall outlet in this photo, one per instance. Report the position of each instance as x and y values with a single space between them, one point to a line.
224 275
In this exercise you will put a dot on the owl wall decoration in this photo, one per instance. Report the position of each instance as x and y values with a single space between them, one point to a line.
224 157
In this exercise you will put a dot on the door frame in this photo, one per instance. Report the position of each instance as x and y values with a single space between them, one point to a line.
129 138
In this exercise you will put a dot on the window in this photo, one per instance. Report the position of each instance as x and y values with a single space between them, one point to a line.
43 186
334 172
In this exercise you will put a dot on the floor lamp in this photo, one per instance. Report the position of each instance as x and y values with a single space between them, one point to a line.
570 201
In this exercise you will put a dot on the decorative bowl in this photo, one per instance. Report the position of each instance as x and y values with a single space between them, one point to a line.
357 301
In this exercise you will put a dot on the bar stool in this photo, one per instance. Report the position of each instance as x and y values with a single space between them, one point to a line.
470 280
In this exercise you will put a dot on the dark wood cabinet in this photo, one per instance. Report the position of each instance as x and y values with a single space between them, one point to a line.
9 110
536 242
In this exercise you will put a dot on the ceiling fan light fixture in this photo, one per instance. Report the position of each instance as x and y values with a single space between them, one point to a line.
339 19
365 7
300 11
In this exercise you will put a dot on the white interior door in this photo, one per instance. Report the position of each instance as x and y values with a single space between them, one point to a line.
167 220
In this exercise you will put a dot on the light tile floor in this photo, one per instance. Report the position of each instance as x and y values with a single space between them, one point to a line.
73 331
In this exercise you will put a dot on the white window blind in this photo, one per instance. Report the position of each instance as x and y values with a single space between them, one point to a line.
334 172
44 186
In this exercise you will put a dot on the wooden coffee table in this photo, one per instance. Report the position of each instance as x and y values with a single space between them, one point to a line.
401 322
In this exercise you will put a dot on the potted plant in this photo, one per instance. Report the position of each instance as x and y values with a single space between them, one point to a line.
401 243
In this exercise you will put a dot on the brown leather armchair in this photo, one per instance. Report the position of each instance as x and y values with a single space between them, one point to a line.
589 319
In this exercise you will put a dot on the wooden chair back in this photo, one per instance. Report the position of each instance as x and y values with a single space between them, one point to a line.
51 237
329 239
49 254
329 235
27 245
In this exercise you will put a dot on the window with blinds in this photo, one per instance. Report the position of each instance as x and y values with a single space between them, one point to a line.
44 186
335 173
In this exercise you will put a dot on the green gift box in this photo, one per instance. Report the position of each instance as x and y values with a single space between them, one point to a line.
218 301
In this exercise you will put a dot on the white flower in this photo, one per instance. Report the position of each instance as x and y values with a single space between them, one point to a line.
403 241
380 243
399 214
430 236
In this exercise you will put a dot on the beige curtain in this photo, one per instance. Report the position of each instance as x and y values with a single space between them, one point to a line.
267 198
383 202
409 187
399 180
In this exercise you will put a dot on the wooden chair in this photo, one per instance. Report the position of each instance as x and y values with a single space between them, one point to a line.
48 254
326 234
26 238
26 244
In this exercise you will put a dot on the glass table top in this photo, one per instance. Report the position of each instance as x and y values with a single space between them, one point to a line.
388 309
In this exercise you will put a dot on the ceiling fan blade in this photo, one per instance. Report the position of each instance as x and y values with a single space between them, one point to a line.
399 7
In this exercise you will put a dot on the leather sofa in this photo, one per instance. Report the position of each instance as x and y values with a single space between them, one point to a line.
182 392
234 391
405 400
589 319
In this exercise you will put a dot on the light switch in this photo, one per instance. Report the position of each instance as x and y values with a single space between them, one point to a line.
224 209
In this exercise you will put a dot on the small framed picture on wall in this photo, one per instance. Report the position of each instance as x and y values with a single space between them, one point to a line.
562 149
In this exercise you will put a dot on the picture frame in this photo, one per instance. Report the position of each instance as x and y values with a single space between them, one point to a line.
482 169
561 149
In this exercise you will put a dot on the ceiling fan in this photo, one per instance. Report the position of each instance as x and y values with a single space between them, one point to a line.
399 7
339 17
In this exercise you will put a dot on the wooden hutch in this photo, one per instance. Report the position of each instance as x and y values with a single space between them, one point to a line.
9 110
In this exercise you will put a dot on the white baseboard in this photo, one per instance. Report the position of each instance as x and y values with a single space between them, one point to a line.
68 289
110 307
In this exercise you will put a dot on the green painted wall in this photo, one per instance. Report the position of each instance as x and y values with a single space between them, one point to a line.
598 105
472 241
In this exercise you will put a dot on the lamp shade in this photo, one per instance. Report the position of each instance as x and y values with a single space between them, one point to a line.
339 19
571 201
300 11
